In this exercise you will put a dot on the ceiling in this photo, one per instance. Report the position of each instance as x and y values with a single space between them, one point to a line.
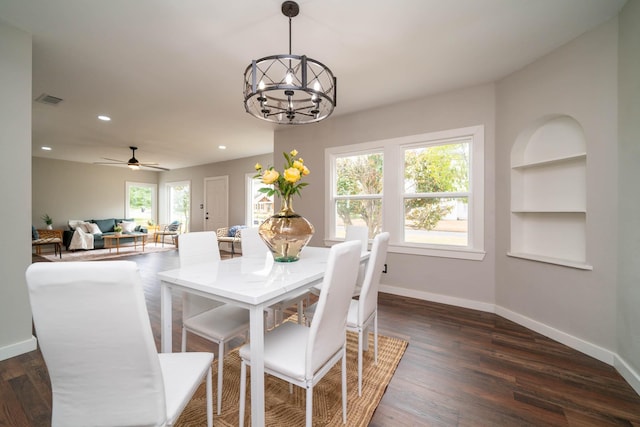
169 73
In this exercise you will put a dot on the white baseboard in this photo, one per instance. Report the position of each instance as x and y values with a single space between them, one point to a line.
18 348
590 349
628 373
443 299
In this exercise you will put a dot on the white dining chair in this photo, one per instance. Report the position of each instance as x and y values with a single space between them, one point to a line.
254 247
358 233
94 332
302 356
203 316
361 234
363 312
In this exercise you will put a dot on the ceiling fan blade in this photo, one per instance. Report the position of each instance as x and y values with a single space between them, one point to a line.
114 160
147 165
109 163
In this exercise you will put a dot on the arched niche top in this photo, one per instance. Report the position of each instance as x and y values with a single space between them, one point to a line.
550 137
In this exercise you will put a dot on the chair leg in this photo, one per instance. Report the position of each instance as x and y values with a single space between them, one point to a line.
361 337
309 414
183 347
344 384
209 401
375 336
301 312
243 392
220 368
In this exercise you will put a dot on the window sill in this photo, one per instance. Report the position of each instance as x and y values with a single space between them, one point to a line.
450 252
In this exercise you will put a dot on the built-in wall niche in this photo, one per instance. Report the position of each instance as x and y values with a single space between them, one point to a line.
549 193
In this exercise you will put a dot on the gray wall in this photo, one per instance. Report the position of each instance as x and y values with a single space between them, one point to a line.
15 190
628 320
72 190
234 169
579 80
468 283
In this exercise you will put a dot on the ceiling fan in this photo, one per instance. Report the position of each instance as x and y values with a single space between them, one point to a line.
133 163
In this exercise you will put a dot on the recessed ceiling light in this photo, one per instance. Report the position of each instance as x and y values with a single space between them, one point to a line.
222 147
45 148
104 118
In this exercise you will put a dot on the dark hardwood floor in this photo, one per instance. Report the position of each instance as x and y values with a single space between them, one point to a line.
461 368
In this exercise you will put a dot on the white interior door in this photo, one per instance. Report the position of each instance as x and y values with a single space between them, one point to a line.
216 203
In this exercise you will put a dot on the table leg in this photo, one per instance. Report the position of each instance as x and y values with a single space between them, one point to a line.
166 338
257 365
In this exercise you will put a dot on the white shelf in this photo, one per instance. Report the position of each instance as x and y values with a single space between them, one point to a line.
548 162
551 260
549 194
548 211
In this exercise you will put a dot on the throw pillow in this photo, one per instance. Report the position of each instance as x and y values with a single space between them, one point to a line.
128 226
73 224
34 233
92 228
234 229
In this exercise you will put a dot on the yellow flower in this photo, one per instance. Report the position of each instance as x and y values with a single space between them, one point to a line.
305 171
270 176
292 175
258 166
294 152
298 165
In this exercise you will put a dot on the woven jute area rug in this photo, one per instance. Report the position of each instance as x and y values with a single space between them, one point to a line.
284 409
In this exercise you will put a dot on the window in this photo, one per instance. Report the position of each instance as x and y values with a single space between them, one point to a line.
259 205
141 202
358 192
426 190
179 200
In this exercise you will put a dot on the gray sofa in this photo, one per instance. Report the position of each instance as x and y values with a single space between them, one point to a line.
106 227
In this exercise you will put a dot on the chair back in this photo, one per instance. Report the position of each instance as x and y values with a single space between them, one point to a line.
252 245
197 248
94 332
174 226
369 293
328 327
359 233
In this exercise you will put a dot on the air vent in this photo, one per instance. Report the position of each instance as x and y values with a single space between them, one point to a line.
48 99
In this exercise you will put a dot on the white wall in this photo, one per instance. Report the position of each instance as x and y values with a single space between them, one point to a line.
234 169
579 80
441 279
15 191
71 190
628 321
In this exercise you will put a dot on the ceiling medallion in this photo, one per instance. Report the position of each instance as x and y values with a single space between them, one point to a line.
289 89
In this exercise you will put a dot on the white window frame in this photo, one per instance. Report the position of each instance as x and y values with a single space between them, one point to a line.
248 191
393 191
154 198
185 228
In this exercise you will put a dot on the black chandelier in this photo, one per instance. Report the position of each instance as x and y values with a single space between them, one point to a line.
289 89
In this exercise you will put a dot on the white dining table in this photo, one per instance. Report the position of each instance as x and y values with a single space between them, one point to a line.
253 283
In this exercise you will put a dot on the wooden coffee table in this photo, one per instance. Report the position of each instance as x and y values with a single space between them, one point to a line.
109 239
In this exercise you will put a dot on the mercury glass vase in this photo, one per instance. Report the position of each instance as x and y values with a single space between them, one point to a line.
286 233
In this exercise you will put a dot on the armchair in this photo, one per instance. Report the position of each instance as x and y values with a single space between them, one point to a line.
171 230
229 235
40 238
